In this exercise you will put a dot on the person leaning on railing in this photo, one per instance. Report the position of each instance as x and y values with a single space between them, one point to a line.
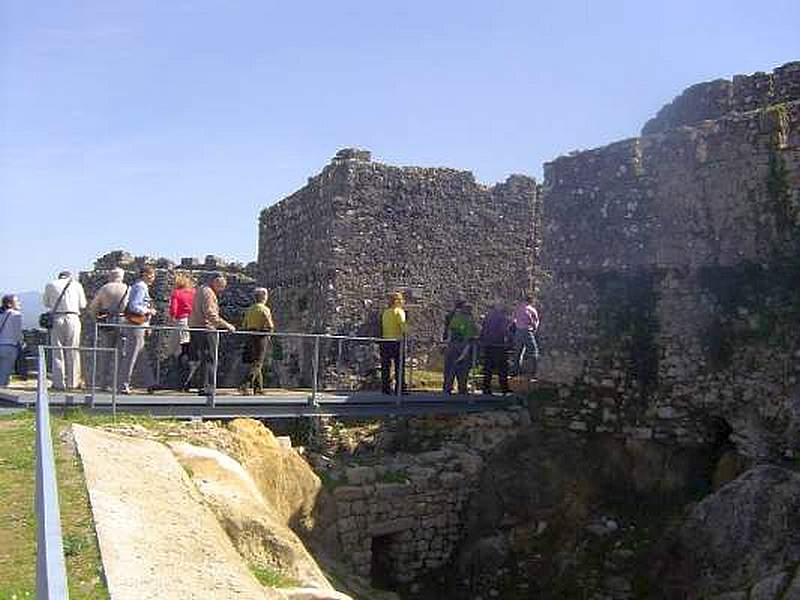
180 307
138 312
459 332
258 317
494 340
205 315
393 327
108 307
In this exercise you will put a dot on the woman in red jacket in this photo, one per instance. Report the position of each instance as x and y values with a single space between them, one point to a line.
180 307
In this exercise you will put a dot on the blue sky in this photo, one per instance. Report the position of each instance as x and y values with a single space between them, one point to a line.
165 127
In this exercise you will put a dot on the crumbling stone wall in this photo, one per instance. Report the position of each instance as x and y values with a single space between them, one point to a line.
331 251
713 99
404 511
233 301
673 268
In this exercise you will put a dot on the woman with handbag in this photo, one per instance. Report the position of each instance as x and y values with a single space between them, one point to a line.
138 313
10 336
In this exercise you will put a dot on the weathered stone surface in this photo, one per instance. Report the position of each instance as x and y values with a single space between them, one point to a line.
156 537
283 477
258 531
673 259
711 100
744 534
331 251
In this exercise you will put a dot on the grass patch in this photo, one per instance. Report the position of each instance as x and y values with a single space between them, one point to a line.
271 577
18 521
393 477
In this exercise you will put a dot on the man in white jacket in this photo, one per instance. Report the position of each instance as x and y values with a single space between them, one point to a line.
65 298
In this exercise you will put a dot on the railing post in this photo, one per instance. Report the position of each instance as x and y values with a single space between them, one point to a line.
94 366
212 397
51 572
115 384
410 366
399 368
315 372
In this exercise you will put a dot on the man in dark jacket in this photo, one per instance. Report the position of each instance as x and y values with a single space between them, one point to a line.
494 341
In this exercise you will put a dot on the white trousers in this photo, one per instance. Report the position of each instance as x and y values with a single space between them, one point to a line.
66 331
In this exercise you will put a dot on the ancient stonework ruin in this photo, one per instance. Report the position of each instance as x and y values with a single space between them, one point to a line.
672 261
402 515
667 269
331 251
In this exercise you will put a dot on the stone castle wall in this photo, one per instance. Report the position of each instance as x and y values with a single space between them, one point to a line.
672 264
332 251
713 99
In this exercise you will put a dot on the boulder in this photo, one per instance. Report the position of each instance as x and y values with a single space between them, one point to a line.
746 536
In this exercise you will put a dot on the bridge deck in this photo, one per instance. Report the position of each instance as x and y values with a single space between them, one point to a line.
273 404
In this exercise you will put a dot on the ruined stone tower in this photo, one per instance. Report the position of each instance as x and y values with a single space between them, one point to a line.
674 265
331 251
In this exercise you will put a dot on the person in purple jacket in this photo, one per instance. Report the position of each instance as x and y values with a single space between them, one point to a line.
494 340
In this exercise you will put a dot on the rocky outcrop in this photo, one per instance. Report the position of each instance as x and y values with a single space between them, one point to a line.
743 539
157 538
258 531
282 476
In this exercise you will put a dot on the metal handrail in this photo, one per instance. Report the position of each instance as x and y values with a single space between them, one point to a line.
312 400
354 338
93 388
51 571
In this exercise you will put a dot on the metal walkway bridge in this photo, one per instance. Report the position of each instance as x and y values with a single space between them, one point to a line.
276 404
221 403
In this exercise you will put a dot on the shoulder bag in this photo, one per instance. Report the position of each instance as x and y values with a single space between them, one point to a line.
109 316
46 318
135 318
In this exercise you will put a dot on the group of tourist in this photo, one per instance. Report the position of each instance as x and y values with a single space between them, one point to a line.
501 332
124 313
190 309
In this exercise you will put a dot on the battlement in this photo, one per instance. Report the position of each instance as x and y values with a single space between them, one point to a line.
713 99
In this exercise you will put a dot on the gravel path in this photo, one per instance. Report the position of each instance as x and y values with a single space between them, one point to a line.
156 538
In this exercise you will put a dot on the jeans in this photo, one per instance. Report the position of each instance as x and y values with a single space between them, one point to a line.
525 346
132 345
457 369
8 356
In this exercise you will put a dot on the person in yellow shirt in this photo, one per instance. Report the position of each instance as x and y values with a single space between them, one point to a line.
393 327
258 317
